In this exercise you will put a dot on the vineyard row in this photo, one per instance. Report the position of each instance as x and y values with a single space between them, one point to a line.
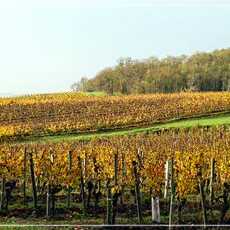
176 163
87 114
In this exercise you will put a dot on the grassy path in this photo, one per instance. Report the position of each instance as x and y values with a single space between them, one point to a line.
215 120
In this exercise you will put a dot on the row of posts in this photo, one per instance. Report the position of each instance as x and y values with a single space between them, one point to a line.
110 217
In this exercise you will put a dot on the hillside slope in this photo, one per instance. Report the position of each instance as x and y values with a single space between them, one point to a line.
74 113
213 120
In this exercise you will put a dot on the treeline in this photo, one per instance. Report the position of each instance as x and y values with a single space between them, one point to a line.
199 72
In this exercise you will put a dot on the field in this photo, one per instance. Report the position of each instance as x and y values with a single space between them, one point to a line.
219 119
46 115
86 159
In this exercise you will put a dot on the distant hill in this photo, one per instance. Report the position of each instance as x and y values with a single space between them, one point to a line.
198 72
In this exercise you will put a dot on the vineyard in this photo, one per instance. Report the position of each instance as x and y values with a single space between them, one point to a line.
161 175
114 114
58 114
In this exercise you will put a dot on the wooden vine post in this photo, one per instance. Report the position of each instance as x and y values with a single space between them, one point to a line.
24 176
212 174
48 206
3 195
109 203
116 194
155 202
34 189
137 192
50 196
82 184
123 176
97 185
202 197
172 194
69 171
116 169
166 179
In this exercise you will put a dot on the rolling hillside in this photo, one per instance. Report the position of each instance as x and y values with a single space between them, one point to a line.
64 114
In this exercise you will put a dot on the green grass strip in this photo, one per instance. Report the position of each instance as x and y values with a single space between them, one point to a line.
215 120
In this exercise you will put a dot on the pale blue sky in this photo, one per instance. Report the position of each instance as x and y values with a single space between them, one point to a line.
46 45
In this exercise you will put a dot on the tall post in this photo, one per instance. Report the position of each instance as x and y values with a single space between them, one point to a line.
171 196
82 184
137 192
48 201
155 209
116 169
166 179
109 204
202 197
123 176
24 176
116 194
33 180
157 201
3 194
69 171
211 181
